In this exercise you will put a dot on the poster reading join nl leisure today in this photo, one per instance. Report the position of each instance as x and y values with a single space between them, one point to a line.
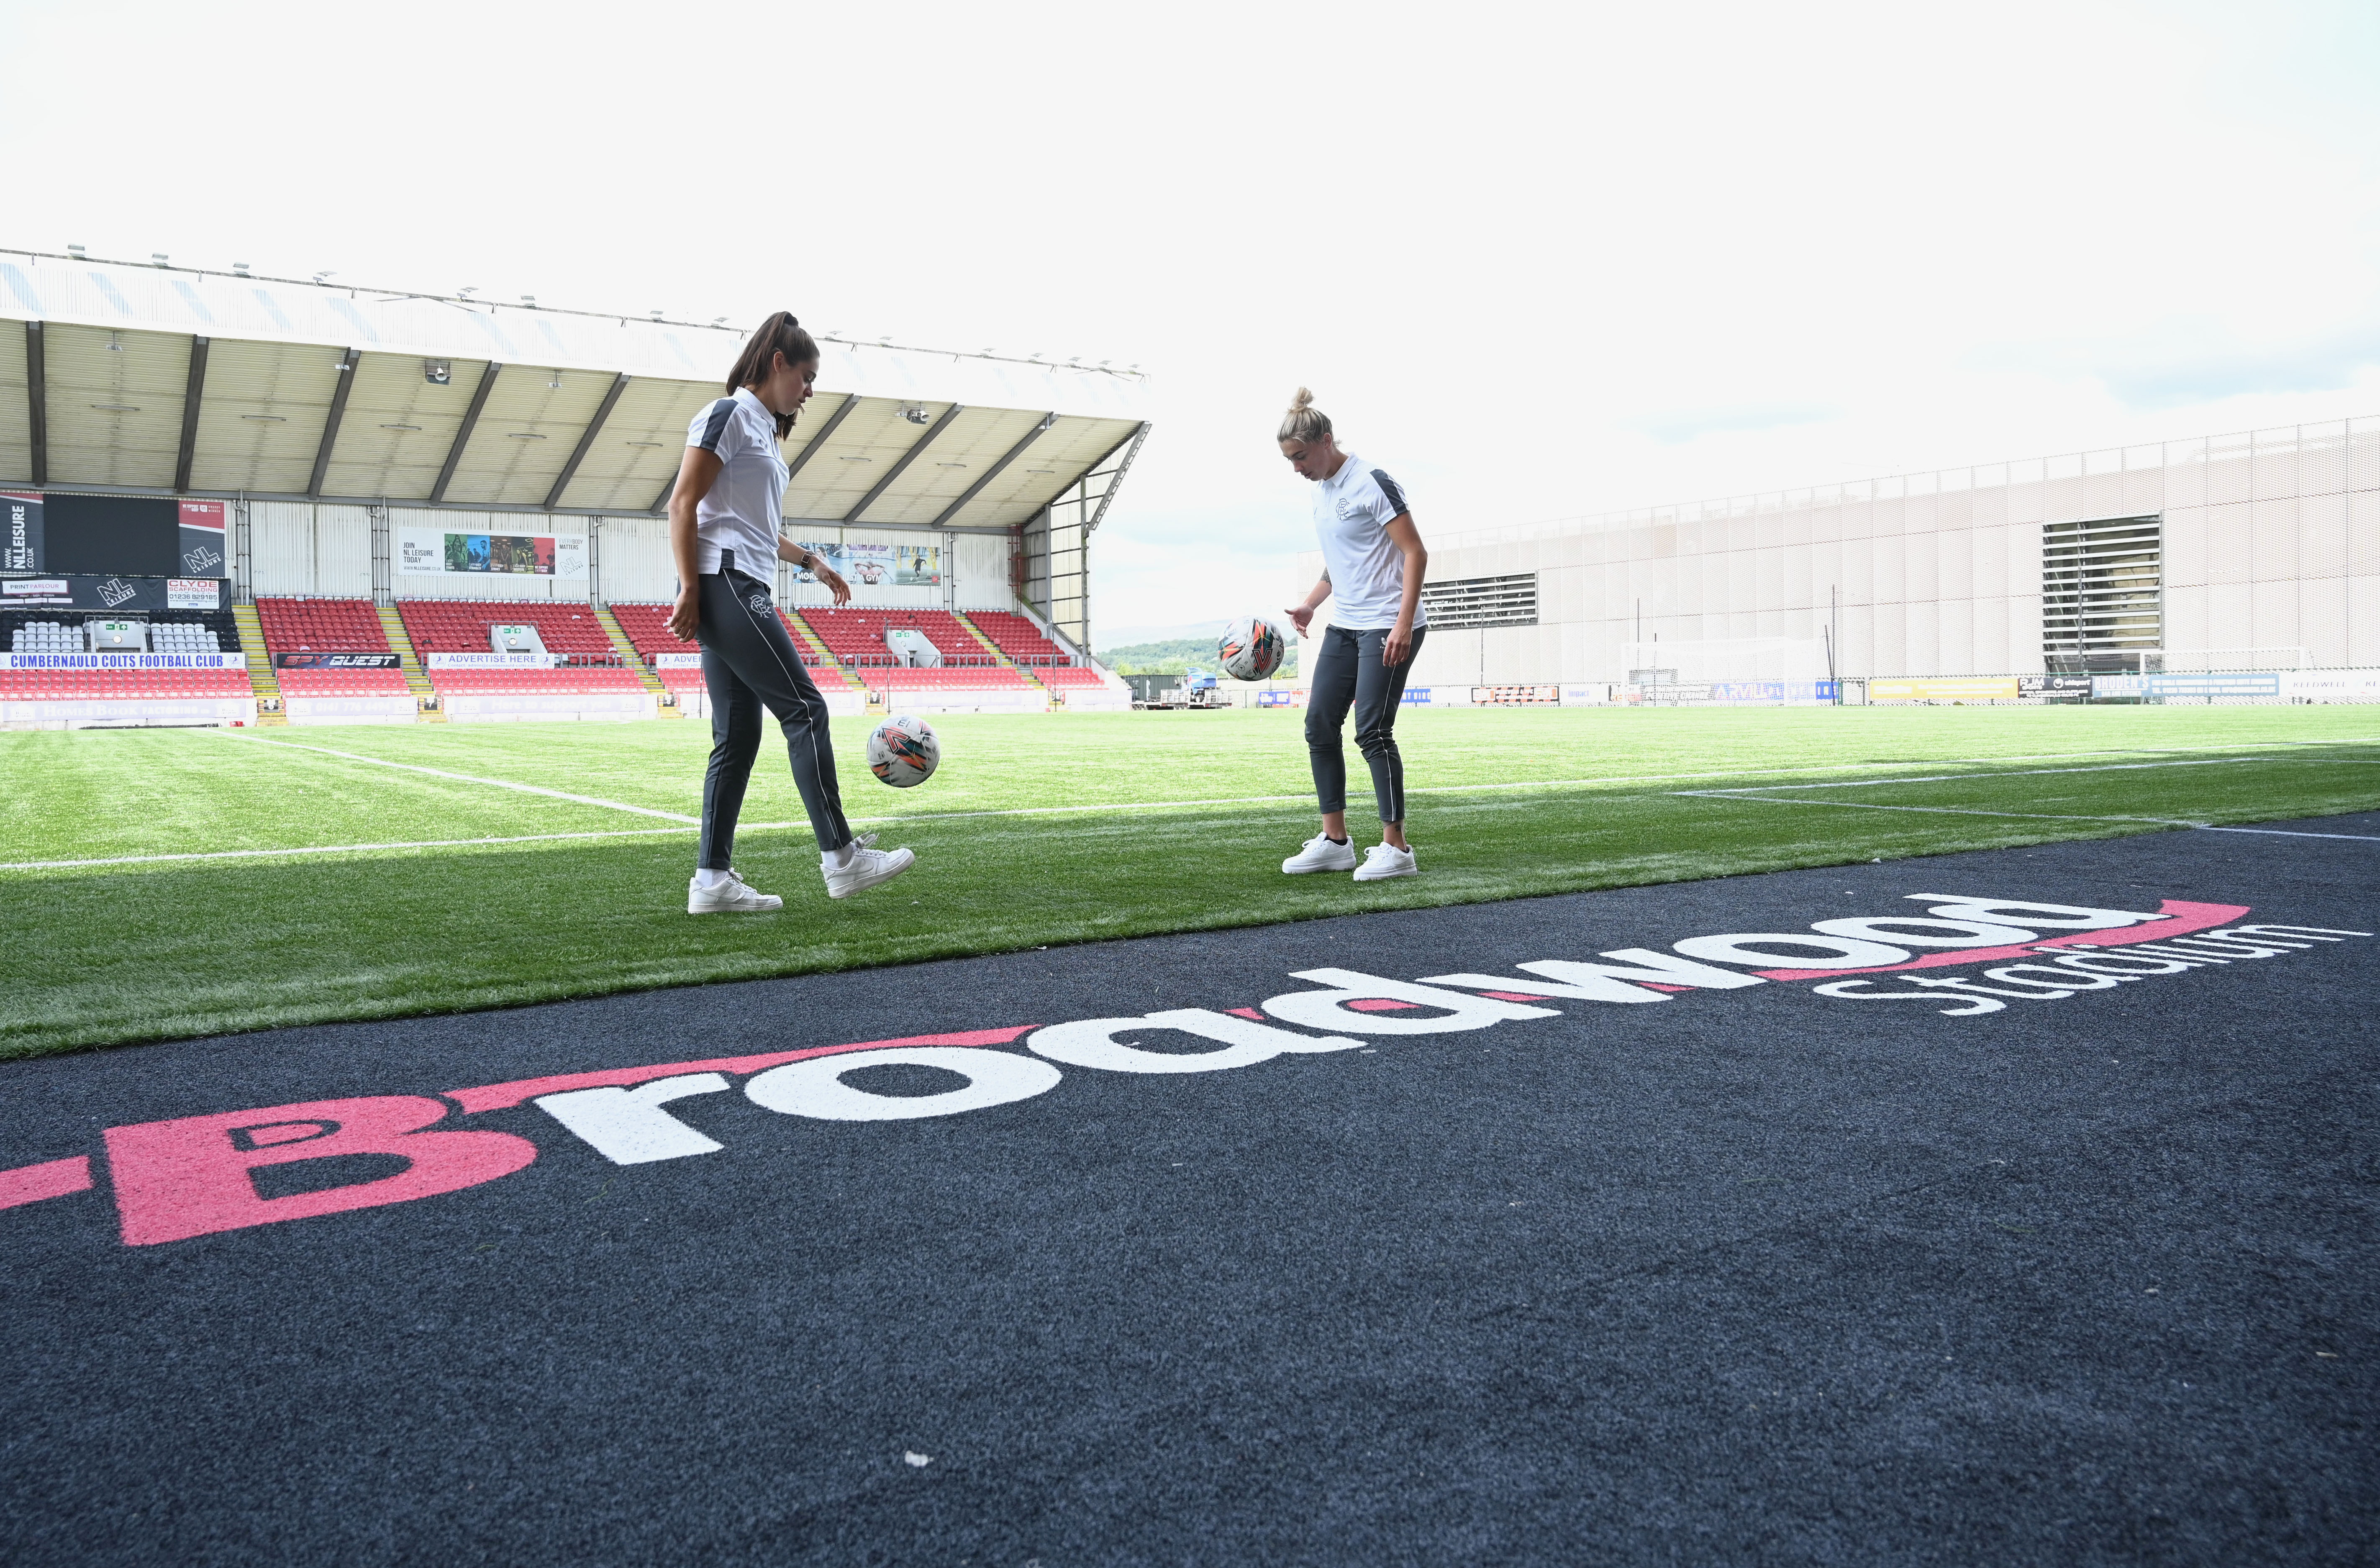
443 552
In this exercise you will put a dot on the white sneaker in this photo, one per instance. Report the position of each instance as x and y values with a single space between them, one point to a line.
1385 860
1321 855
866 868
729 897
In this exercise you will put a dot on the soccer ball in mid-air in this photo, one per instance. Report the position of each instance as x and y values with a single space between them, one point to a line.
903 751
1251 649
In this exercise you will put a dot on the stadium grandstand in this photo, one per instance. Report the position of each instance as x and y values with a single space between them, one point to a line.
338 503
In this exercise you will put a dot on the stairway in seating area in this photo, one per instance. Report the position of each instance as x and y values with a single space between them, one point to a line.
810 639
635 661
260 666
393 625
994 649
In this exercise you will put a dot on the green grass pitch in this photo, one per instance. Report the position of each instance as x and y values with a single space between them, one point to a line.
1038 831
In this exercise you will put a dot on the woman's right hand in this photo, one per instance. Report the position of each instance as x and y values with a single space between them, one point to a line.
1299 617
686 616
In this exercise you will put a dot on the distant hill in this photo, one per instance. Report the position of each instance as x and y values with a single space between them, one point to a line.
1176 656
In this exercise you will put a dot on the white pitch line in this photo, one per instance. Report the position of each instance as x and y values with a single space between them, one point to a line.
467 778
367 848
2284 832
1652 778
1196 805
2010 774
1935 810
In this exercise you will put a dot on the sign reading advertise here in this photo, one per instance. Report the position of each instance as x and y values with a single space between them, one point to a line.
453 553
491 661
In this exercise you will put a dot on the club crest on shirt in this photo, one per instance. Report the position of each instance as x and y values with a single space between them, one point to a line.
1347 507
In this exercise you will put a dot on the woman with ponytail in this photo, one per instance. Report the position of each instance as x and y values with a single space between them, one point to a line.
723 515
1373 564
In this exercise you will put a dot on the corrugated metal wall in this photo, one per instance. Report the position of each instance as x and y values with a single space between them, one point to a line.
2271 540
299 548
633 560
982 572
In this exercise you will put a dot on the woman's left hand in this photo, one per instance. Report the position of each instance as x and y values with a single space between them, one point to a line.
831 580
1397 647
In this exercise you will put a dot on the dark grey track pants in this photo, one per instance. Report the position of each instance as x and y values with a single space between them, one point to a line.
1348 672
748 661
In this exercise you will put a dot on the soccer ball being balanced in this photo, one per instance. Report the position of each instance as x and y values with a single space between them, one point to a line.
1251 649
902 751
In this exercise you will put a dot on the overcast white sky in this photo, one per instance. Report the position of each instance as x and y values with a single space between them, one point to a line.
1536 261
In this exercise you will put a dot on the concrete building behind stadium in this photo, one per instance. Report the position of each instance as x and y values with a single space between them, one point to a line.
2257 551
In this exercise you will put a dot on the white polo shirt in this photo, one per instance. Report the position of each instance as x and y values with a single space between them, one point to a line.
1353 510
746 502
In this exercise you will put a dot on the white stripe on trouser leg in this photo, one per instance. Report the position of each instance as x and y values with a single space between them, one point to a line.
841 828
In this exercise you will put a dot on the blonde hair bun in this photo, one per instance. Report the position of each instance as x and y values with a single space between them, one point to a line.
1303 421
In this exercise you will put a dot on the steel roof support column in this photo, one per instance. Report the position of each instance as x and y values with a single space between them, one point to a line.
463 434
331 425
191 392
586 441
902 466
1114 481
36 402
993 472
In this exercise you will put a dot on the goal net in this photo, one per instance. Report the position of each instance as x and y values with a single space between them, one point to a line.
2203 661
1695 661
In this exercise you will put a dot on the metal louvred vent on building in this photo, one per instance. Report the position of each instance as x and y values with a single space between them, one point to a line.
2102 592
1510 601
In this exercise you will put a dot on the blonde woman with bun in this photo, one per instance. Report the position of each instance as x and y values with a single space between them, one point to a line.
1373 566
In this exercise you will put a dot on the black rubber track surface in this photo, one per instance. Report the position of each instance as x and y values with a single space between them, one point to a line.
1755 1275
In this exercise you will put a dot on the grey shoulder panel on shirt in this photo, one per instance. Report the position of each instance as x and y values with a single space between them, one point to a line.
1388 488
715 424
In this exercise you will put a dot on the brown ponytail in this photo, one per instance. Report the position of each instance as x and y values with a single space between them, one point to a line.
781 334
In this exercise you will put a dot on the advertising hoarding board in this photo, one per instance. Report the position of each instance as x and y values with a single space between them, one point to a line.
1945 688
334 661
74 591
465 552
